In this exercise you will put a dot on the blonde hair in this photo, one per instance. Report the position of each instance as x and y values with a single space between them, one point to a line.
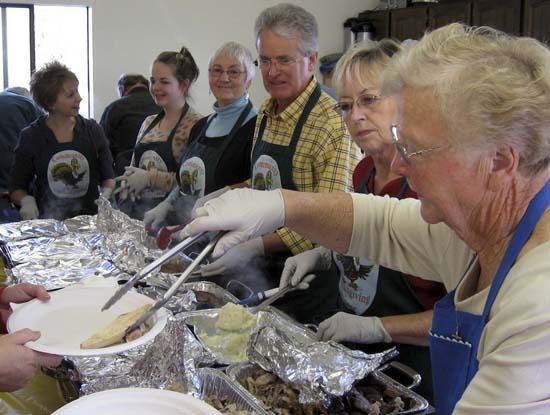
363 61
492 89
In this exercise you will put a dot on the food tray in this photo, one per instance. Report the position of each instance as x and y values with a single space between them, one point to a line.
417 405
204 321
216 383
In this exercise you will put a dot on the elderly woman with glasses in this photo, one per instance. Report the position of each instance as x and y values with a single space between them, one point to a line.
379 305
473 132
218 153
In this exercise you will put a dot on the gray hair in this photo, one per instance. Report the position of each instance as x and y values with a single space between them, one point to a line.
290 21
239 52
493 89
364 61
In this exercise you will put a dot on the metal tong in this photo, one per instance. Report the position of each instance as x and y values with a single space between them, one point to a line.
182 278
149 268
272 299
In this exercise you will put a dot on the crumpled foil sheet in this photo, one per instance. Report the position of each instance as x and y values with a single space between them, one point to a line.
38 249
319 370
181 301
17 231
125 242
167 362
54 273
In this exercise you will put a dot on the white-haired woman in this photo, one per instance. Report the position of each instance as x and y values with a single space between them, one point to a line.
218 153
473 137
379 307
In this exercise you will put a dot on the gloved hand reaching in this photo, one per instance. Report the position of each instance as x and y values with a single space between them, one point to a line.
201 201
235 258
245 213
133 181
351 328
29 209
106 192
154 217
308 262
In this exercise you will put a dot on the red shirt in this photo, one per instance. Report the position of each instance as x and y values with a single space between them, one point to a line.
427 292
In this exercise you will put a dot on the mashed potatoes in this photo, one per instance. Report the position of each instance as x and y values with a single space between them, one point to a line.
233 329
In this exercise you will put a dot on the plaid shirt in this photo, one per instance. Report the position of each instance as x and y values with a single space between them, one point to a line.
325 156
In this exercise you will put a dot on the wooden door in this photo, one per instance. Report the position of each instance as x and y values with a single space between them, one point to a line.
444 14
536 20
504 15
409 23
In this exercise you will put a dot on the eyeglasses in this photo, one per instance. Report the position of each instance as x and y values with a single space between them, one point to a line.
265 64
231 73
405 155
364 101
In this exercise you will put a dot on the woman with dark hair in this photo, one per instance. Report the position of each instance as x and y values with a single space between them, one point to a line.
163 137
62 156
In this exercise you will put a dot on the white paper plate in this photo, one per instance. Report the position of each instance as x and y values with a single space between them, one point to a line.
74 314
135 401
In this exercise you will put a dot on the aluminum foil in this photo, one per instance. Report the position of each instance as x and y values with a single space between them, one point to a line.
215 383
54 273
182 301
17 231
167 362
319 370
39 249
125 243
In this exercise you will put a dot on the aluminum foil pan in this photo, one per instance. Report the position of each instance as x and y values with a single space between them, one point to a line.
215 384
203 321
16 231
316 368
414 403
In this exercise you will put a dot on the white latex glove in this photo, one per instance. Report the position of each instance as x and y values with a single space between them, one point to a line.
29 209
351 328
106 192
155 216
308 262
134 180
245 213
201 201
235 258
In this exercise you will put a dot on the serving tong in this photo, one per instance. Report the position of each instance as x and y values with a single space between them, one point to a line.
182 278
162 260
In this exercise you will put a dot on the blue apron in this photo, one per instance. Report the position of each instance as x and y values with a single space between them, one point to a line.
455 335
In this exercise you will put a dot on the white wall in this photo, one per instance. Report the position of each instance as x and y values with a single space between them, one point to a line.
129 34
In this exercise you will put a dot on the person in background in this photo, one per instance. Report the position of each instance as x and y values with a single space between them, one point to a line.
379 305
300 143
18 364
218 153
162 138
17 111
123 118
472 133
62 156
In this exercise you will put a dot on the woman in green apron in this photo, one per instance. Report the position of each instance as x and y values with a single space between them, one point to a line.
63 157
368 292
218 153
163 137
